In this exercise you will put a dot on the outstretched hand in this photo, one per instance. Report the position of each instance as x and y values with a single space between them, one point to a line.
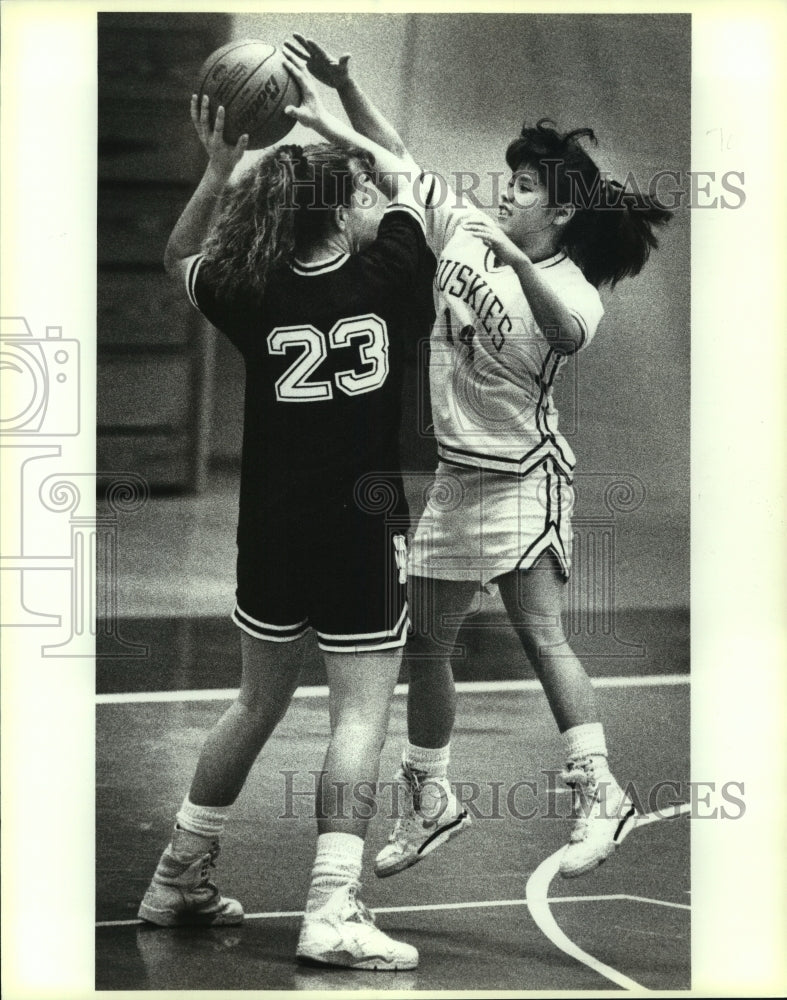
323 66
222 157
491 235
311 112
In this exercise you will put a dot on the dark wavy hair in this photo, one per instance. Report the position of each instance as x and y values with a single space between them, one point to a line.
286 201
611 233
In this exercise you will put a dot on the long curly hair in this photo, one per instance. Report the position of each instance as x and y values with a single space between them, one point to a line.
287 200
611 232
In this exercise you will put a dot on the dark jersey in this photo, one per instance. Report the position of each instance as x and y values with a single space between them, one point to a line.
324 350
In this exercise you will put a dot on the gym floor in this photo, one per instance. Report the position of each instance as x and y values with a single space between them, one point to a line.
468 908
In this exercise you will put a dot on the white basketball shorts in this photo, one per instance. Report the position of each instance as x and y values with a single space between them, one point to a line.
478 525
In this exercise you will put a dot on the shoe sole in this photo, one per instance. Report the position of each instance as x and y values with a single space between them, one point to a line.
375 964
169 918
437 839
623 827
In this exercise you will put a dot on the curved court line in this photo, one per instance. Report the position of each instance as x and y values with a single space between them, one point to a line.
536 893
537 889
321 691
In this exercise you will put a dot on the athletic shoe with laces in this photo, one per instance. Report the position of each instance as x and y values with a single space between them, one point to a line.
601 810
182 892
431 816
343 932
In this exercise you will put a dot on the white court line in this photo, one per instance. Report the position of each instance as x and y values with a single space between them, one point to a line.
538 886
424 907
321 691
657 902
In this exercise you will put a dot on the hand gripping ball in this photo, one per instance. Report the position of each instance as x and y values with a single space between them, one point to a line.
250 79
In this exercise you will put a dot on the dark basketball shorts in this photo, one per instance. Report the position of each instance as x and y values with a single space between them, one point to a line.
331 559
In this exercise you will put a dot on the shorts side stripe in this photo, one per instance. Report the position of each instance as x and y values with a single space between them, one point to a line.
372 645
256 621
508 466
262 630
387 633
550 539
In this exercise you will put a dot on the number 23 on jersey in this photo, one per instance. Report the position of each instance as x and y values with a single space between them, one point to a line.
296 385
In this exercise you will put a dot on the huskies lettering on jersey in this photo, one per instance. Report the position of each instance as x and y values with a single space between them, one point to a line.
460 281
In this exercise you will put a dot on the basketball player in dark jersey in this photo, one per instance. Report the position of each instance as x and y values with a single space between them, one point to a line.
309 271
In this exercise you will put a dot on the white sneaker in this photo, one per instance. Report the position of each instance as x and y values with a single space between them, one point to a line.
602 811
181 891
343 932
431 816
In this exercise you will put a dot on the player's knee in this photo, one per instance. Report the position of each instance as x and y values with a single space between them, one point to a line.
540 639
260 708
364 735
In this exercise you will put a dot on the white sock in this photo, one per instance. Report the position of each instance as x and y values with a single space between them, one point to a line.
581 742
338 861
207 821
432 761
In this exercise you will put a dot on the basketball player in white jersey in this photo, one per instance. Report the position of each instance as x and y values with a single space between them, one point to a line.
514 300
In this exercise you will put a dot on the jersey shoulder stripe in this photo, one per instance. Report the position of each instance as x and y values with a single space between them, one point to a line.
411 210
583 327
192 268
430 194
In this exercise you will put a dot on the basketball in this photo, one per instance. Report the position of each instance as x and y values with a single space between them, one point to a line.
250 79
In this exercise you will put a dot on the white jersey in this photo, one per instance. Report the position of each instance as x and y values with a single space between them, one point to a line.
491 369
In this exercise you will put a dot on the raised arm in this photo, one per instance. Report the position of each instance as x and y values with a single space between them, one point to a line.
364 116
194 223
394 173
